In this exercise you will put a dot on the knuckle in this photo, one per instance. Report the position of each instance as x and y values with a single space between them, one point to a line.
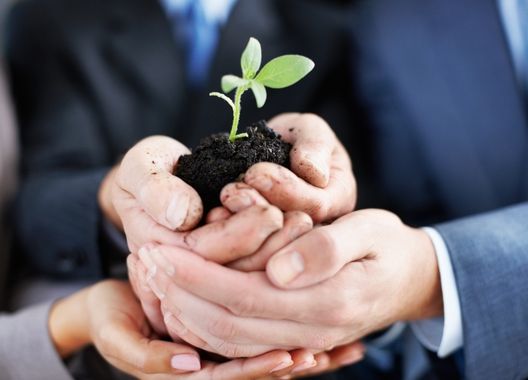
319 210
243 305
326 243
339 315
223 328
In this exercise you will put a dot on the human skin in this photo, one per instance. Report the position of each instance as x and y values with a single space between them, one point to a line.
357 275
140 196
109 316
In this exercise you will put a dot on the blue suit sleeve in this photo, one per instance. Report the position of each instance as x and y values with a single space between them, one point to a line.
489 253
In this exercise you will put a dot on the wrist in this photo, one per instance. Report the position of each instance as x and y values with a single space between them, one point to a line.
104 198
68 324
430 300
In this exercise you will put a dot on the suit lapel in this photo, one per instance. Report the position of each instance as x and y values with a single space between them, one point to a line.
477 144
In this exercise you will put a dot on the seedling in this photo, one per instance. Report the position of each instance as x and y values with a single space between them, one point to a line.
280 72
223 158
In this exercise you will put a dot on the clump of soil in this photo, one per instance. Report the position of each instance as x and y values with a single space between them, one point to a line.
216 161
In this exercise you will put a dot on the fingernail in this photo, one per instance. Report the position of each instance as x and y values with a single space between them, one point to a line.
285 267
155 289
262 183
185 362
151 273
162 261
282 366
177 211
304 366
240 202
144 256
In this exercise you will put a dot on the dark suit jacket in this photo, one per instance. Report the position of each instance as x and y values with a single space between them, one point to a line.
449 139
91 78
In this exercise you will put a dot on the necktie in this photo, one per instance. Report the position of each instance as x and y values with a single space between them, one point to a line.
199 37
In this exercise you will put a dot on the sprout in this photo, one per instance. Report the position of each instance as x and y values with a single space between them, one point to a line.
280 72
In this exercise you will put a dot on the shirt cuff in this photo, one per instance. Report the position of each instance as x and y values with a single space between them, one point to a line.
26 350
443 335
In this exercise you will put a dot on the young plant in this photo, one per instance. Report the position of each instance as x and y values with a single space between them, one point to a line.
280 72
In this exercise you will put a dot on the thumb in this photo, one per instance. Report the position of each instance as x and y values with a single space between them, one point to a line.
146 173
317 255
313 144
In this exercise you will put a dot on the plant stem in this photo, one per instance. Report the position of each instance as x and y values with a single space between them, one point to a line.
236 113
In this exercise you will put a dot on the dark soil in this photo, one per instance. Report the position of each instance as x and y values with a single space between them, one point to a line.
216 161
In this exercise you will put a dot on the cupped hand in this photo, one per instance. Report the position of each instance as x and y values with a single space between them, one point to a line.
142 197
372 261
108 316
321 182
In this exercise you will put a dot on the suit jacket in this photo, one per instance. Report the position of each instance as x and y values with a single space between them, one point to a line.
91 78
8 160
449 139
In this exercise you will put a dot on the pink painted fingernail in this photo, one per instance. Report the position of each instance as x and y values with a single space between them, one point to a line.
186 362
282 366
285 267
304 366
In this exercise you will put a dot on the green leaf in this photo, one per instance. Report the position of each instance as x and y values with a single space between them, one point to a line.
251 59
260 93
284 71
230 82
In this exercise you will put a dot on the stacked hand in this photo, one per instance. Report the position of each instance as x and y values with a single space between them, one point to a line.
256 277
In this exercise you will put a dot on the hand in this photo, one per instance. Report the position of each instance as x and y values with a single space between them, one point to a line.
108 316
323 185
250 232
370 262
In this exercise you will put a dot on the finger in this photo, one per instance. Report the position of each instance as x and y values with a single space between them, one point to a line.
217 214
179 330
313 144
346 355
302 360
320 254
243 294
140 228
203 321
296 224
239 196
123 341
323 365
240 235
282 188
213 323
243 369
149 302
146 173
